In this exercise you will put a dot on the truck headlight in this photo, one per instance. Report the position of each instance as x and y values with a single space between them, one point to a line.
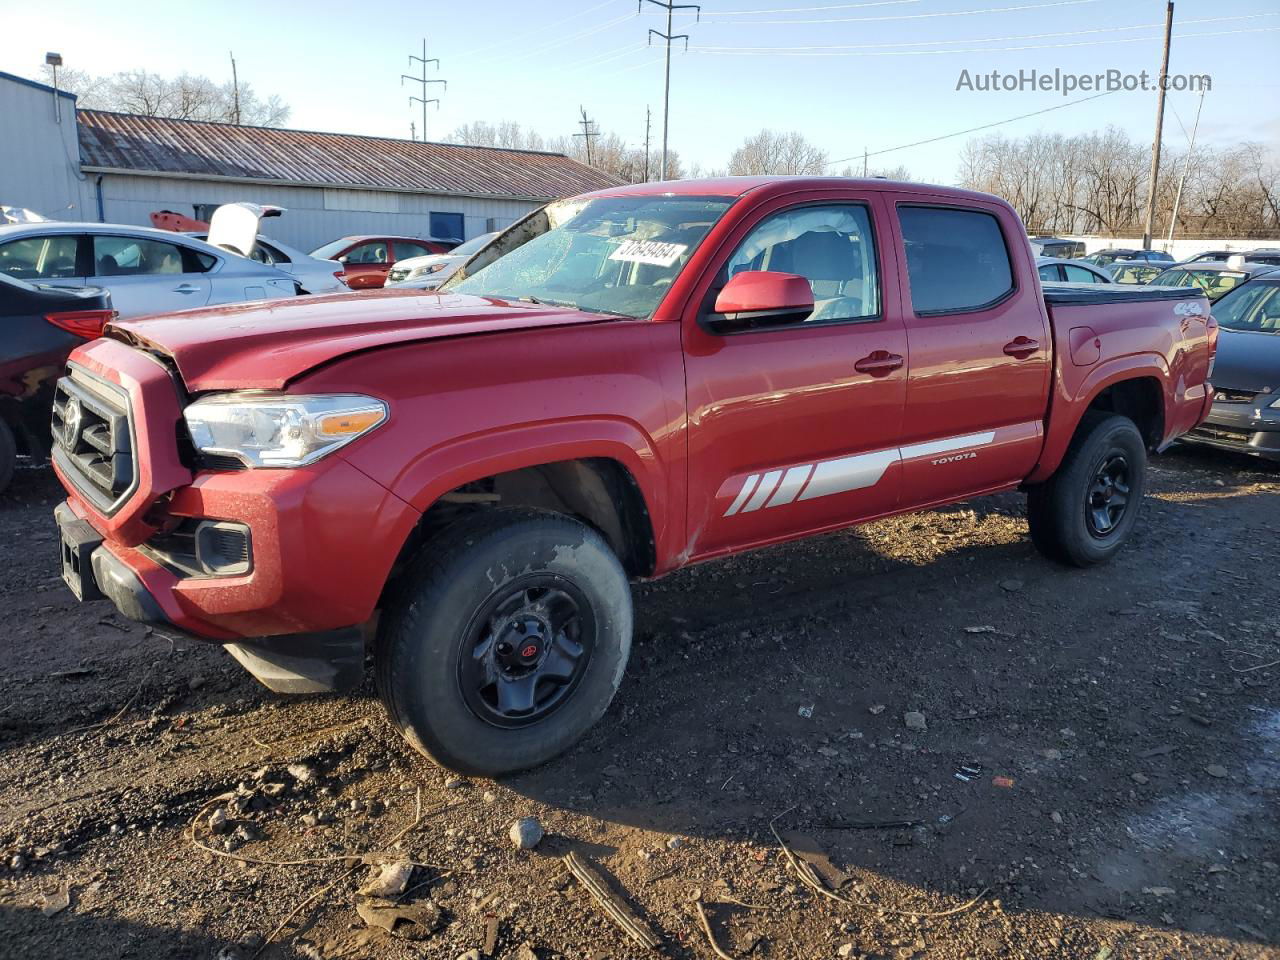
280 430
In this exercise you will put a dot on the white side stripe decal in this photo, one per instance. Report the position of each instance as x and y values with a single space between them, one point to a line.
946 446
748 485
767 483
849 473
790 485
777 488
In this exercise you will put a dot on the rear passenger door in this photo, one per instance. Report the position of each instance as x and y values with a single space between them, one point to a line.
980 351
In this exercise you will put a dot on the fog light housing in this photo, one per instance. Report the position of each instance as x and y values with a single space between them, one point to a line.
223 548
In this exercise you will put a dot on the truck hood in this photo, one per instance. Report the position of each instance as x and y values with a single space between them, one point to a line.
265 344
1247 361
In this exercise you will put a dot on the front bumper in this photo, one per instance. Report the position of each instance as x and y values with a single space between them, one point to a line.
1249 428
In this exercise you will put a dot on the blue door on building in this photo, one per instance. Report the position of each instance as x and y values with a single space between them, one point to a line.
448 226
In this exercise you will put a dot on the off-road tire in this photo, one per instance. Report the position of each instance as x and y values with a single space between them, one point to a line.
431 619
1057 510
8 455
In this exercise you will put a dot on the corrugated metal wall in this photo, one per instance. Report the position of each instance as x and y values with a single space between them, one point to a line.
40 157
315 215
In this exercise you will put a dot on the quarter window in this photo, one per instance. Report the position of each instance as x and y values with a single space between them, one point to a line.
39 258
956 259
830 246
134 256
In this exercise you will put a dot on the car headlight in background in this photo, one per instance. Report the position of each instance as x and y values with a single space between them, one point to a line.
424 271
280 430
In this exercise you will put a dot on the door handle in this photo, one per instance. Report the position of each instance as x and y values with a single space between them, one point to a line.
186 288
1021 347
879 363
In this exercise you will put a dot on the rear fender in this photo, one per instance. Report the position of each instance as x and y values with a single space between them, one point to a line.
1071 400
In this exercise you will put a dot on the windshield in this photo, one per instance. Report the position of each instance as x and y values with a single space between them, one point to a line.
330 249
1254 307
616 255
471 246
1213 282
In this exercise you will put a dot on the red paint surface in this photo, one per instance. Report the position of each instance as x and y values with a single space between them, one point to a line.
477 387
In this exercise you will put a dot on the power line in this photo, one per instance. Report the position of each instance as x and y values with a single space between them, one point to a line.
936 43
423 81
505 44
670 7
1039 46
829 6
961 133
912 16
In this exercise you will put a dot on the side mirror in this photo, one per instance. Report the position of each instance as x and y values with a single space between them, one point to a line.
761 297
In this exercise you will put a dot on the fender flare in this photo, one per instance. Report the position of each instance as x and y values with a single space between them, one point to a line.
466 459
1065 413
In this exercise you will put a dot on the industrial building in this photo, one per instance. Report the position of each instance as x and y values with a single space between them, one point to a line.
71 164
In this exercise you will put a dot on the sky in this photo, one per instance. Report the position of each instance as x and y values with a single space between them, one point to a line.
873 75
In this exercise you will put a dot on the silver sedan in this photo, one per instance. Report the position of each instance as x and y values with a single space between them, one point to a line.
146 270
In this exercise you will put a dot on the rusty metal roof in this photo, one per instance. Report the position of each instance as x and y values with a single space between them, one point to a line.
126 142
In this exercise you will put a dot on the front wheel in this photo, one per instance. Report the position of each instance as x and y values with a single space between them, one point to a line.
506 641
1084 513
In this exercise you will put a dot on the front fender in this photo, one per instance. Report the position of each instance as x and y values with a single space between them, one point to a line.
435 472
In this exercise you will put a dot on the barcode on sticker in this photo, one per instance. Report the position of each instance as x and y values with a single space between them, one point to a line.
649 251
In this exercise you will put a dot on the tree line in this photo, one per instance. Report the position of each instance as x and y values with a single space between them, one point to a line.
1096 183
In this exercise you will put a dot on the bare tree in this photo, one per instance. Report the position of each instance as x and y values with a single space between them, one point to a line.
506 134
184 97
772 153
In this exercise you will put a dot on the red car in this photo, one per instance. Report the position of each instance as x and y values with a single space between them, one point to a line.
620 385
367 260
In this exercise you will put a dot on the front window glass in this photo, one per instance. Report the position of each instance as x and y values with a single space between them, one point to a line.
1255 307
39 258
831 247
1214 283
614 255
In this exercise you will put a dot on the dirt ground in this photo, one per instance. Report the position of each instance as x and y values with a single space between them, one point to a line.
1122 725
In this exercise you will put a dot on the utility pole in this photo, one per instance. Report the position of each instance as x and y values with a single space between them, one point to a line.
235 85
423 81
1149 222
864 163
646 143
413 131
1186 170
588 131
670 7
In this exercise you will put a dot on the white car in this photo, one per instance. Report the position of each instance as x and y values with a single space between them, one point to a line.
146 270
234 227
427 273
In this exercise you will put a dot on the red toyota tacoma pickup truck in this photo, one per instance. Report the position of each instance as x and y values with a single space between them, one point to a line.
463 483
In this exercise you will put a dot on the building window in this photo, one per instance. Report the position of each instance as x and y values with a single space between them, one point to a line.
204 211
448 226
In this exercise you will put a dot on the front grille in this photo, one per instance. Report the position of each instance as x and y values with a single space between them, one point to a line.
93 438
1209 431
1221 395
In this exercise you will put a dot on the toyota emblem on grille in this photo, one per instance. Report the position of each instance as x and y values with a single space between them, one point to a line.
71 417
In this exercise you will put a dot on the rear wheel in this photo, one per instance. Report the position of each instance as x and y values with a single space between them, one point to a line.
506 642
1084 513
8 455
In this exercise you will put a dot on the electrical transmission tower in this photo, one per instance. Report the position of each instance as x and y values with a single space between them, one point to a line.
588 131
423 81
670 7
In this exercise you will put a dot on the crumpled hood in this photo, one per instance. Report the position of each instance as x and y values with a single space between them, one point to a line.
265 344
1247 361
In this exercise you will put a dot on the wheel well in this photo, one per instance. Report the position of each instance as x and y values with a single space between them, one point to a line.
1139 399
598 491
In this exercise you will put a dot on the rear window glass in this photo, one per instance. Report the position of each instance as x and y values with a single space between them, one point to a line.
956 259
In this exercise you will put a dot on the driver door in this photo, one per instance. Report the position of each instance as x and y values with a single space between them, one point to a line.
793 428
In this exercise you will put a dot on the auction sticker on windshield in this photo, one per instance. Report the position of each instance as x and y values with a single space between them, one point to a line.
649 251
